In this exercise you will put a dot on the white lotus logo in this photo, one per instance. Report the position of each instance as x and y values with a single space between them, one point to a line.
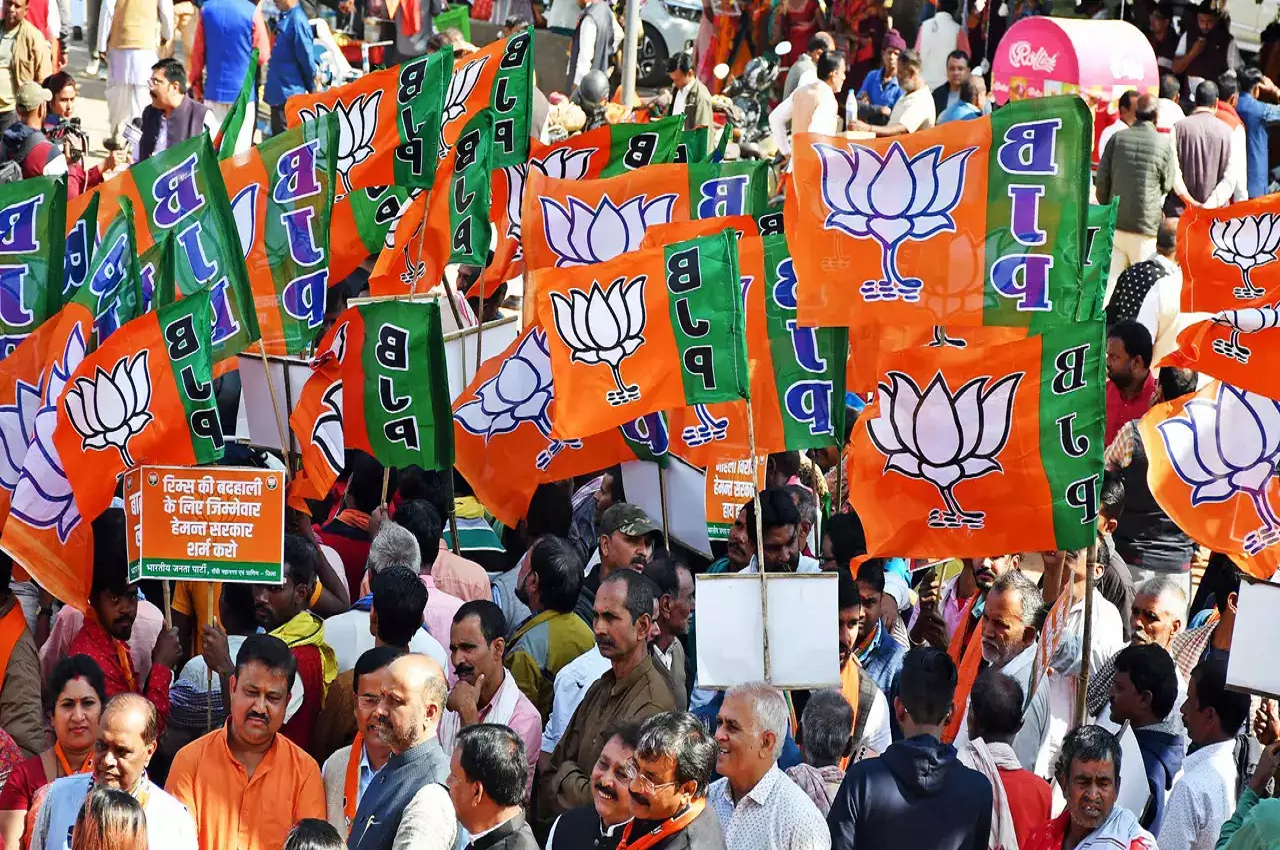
461 85
357 124
1249 320
520 392
244 210
891 199
1246 243
560 164
17 425
1226 447
326 434
111 409
583 235
709 428
604 327
943 437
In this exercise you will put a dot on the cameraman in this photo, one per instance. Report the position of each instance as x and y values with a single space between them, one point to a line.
24 143
62 127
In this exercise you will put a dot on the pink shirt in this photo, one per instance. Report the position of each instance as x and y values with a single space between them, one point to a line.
146 628
459 576
441 607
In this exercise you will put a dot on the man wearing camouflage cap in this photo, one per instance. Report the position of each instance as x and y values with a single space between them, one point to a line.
626 542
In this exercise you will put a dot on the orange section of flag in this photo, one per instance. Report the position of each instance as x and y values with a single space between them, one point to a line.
1233 346
1230 256
1212 462
317 422
870 344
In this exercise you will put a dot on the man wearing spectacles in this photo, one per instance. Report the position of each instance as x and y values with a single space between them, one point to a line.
674 759
599 826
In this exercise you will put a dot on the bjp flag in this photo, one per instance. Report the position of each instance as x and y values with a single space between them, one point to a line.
644 333
1099 237
1211 467
361 224
983 449
390 122
497 78
502 430
1228 256
33 218
1233 346
871 345
970 223
603 152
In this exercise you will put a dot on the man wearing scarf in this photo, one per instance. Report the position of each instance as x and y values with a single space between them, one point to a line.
282 611
599 826
348 531
1089 768
870 708
674 758
108 623
878 654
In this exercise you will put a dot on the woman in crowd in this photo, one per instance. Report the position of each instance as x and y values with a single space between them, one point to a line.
78 691
110 820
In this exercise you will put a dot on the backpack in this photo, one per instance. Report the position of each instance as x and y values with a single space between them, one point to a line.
11 167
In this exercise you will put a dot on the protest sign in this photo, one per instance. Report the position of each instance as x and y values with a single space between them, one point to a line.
729 487
1055 627
205 524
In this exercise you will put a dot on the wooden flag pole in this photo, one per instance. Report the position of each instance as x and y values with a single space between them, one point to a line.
275 406
1086 645
453 514
168 605
662 495
386 483
755 488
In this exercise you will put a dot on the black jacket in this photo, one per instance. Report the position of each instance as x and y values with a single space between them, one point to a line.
917 794
512 835
940 96
186 121
582 829
703 833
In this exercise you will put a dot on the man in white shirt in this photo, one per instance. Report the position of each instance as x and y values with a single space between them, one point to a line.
1127 106
1108 629
1228 97
758 805
936 41
915 110
1204 797
812 108
1168 110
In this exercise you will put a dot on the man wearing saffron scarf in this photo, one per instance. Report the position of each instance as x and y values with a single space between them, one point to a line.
870 708
109 622
282 611
879 655
674 758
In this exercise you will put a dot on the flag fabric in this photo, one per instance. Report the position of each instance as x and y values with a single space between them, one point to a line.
282 201
32 222
390 122
869 345
1233 346
381 380
652 331
181 191
984 448
694 146
1211 466
1228 256
82 236
361 225
502 430
498 78
603 152
970 223
473 161
1099 237
241 108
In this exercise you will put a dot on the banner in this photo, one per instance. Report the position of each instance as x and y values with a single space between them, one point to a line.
32 218
984 449
1099 237
1228 256
971 223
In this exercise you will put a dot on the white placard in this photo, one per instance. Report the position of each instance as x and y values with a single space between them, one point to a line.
1251 666
255 398
460 348
804 650
686 488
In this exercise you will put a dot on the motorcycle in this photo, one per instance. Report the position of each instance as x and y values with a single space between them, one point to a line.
751 96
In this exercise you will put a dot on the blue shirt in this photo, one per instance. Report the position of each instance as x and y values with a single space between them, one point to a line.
959 111
1256 115
879 94
292 69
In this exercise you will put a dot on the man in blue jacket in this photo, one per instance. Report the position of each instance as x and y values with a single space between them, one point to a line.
293 66
227 31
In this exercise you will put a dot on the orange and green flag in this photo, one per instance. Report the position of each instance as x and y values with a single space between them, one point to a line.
1229 256
32 226
389 120
1212 459
970 223
984 448
282 200
362 225
498 78
652 331
1233 346
241 109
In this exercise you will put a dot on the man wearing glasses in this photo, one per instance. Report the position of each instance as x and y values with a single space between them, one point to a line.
674 759
113 604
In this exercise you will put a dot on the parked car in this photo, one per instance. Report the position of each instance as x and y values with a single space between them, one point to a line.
670 26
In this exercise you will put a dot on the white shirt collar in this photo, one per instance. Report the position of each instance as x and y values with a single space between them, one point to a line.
476 836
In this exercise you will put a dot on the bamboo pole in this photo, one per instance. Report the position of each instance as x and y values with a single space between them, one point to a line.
275 407
764 591
213 620
1086 644
662 493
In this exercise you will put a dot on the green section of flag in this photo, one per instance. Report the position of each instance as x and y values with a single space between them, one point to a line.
707 319
1099 237
633 146
1072 416
1037 207
112 290
184 332
240 111
420 95
374 211
730 188
32 233
469 228
407 413
512 101
808 363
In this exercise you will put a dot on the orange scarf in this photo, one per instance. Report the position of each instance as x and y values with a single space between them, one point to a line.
12 625
968 663
353 518
351 788
66 767
666 829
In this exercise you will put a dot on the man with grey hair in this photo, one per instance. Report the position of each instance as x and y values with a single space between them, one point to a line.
1158 615
759 806
826 740
807 505
674 758
1009 646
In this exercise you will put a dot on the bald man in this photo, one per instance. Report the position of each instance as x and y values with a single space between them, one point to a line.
126 742
408 805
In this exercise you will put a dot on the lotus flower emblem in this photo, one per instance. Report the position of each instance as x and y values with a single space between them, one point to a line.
891 199
17 425
1246 243
1226 447
326 433
604 327
583 235
461 84
357 124
944 437
561 164
111 409
244 210
1248 320
520 392
709 428
43 497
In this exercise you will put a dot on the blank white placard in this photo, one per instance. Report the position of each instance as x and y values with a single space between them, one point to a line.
686 488
730 630
1251 665
256 398
804 630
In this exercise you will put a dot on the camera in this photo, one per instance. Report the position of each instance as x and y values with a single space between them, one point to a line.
64 128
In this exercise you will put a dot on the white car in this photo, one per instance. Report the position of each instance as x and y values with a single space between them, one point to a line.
1248 19
670 26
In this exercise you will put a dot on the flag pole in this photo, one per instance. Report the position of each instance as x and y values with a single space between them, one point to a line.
662 494
208 707
755 482
168 605
386 483
453 513
275 406
1086 645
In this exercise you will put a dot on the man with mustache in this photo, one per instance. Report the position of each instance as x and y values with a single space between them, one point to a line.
870 708
485 692
408 805
780 519
1157 616
349 771
245 783
739 552
126 741
956 604
625 543
674 760
599 825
